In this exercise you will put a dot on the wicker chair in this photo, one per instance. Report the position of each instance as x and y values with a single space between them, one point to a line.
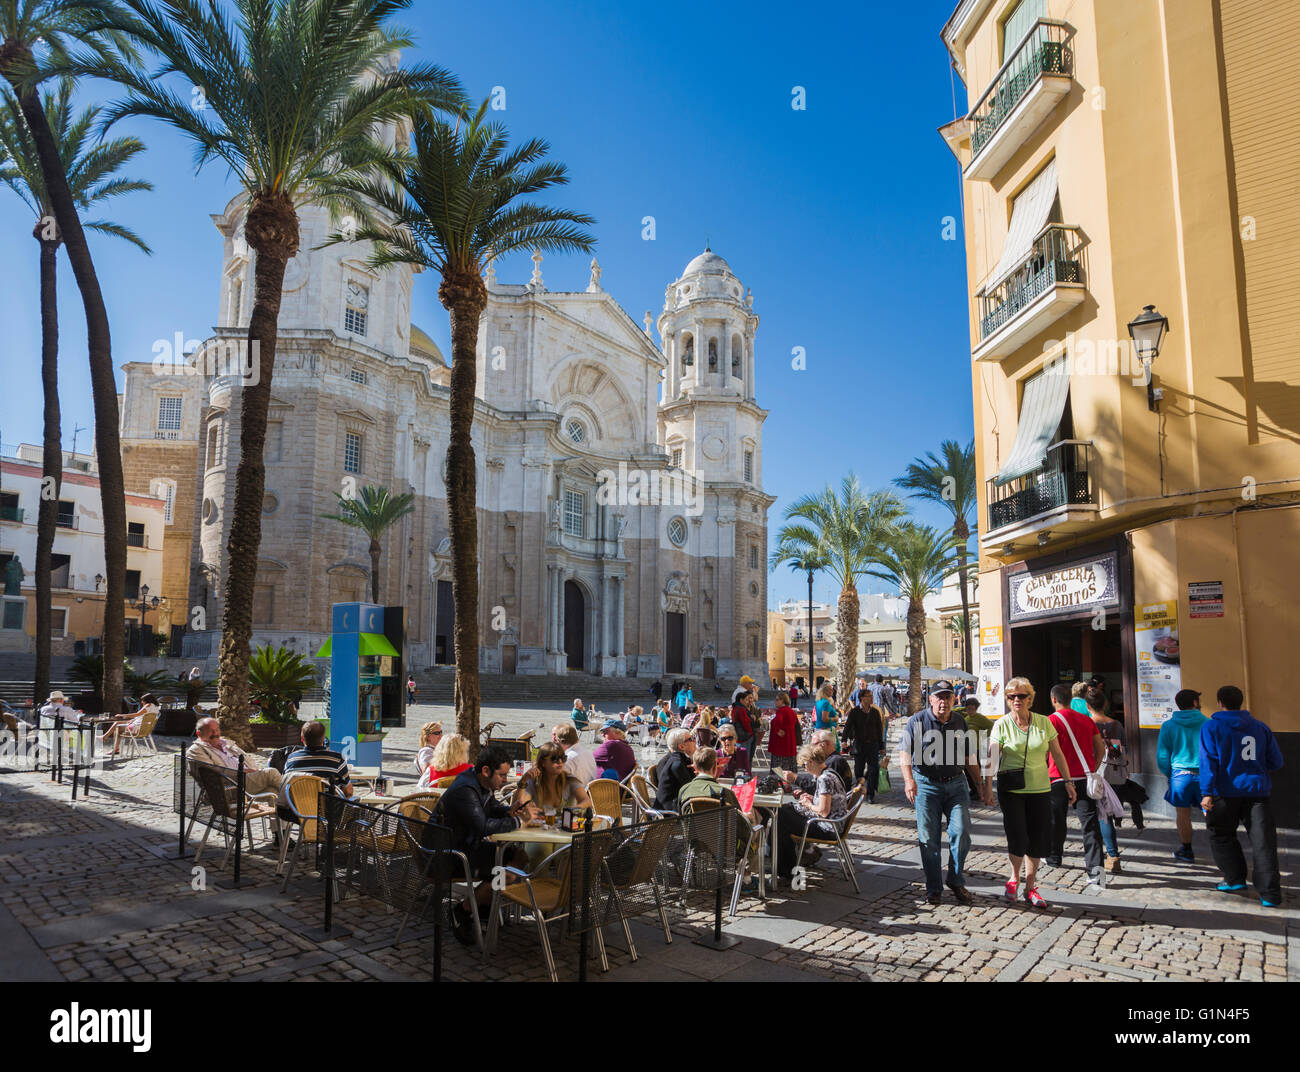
607 799
303 794
649 845
144 733
643 799
706 845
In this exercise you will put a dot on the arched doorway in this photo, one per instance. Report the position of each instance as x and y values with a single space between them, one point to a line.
575 616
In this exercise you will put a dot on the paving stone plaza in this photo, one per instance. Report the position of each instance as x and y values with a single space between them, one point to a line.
95 891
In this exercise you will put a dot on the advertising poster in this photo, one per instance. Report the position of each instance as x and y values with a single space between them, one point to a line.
1158 674
989 688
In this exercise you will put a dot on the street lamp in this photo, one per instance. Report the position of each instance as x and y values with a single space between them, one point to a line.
812 673
1147 329
144 607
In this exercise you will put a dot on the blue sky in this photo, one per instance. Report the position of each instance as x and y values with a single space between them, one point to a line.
833 215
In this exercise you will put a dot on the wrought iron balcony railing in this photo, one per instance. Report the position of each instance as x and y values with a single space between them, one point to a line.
1045 50
1056 257
1062 480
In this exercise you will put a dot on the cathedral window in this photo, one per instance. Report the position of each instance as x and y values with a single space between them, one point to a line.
737 357
214 443
677 457
354 311
575 430
274 441
749 467
575 510
688 352
753 556
357 375
677 531
351 452
713 355
169 418
236 300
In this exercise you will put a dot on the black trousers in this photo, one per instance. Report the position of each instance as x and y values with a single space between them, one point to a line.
790 825
866 762
1086 809
1257 815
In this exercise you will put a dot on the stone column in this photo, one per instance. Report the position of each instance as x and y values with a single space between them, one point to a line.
548 604
619 585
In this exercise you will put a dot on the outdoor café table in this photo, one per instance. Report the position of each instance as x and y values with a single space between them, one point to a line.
379 800
771 802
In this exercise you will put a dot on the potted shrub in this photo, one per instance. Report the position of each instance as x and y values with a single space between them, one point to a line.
277 677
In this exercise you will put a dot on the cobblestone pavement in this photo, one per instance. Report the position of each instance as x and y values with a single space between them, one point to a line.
94 890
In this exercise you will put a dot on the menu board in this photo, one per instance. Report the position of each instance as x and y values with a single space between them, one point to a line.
991 670
1159 676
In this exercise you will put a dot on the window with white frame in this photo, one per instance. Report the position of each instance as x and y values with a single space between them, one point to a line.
575 509
677 457
877 651
356 305
749 467
169 413
165 490
351 452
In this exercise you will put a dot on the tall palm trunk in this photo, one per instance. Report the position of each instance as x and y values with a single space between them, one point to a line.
272 232
464 297
103 388
374 570
846 643
52 468
962 532
916 642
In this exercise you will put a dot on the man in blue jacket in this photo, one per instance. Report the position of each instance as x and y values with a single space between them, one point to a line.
1237 754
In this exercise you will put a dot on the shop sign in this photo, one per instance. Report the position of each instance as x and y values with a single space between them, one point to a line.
1159 675
1205 599
991 671
1064 591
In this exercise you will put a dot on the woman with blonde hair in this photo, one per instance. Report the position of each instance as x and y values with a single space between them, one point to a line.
706 728
1019 746
430 737
449 759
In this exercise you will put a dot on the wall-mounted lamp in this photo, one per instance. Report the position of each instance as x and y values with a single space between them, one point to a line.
1147 330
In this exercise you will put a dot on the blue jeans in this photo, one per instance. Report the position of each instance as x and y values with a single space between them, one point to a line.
936 801
1108 836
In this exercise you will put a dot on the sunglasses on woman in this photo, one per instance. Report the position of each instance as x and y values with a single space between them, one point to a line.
1017 695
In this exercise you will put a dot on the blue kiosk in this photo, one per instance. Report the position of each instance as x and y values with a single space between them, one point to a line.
362 661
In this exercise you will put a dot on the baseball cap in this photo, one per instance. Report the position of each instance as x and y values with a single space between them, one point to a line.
614 724
940 686
746 680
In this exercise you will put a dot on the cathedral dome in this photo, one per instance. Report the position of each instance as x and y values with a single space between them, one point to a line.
423 346
708 263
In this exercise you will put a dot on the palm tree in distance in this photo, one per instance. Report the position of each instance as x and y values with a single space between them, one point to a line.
950 481
374 510
454 209
291 95
90 171
843 531
916 559
801 558
35 36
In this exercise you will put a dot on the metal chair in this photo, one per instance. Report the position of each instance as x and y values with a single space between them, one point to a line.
842 849
221 792
432 866
144 732
648 846
607 799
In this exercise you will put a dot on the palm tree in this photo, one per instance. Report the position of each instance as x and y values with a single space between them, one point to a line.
950 482
373 512
295 92
915 559
89 171
454 209
35 36
802 558
844 531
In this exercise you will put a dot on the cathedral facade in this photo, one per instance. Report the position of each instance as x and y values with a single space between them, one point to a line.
622 521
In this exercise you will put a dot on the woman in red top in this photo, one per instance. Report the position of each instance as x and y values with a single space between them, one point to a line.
784 738
450 758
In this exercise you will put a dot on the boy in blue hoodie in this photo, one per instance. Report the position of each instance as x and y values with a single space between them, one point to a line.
1237 754
1178 755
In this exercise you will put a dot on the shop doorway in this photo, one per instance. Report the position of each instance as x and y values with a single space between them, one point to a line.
1051 652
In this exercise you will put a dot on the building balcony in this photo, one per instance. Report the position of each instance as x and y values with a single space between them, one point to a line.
1023 92
1060 490
166 433
68 521
1049 282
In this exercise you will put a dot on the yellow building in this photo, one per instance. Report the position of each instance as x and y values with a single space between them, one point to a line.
1141 501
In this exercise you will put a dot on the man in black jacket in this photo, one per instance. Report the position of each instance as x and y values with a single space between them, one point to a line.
864 732
674 770
470 808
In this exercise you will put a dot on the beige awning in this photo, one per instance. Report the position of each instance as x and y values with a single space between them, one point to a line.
1029 216
1040 417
